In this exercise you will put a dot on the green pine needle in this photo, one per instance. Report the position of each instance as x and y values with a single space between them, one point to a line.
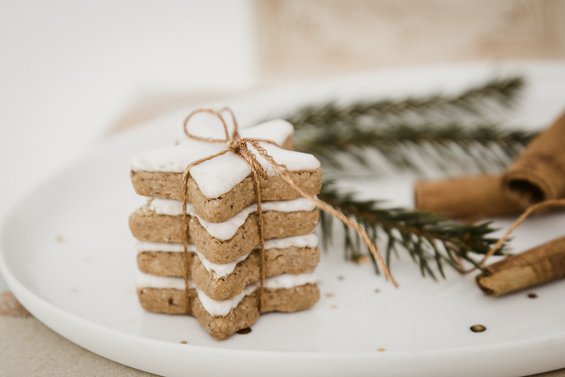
444 132
431 240
448 148
480 101
448 133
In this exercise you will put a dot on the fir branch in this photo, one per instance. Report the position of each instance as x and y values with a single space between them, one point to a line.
431 240
446 132
477 102
438 130
446 148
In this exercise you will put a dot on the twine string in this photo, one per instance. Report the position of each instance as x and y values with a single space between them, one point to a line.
241 147
552 203
357 228
185 241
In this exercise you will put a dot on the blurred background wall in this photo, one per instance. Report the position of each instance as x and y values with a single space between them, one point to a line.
319 37
72 71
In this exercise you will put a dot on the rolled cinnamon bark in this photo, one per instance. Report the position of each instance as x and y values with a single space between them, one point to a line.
539 265
539 172
469 198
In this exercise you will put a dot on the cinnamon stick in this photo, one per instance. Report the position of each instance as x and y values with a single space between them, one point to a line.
539 172
539 265
469 198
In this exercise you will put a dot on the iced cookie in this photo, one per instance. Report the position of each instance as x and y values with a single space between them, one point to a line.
228 269
284 293
161 221
293 255
223 186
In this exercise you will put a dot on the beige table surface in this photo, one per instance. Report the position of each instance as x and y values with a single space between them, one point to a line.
29 348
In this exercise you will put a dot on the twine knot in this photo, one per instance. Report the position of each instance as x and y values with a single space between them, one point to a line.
234 144
241 147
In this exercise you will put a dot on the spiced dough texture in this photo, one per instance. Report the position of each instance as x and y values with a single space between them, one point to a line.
245 314
292 260
146 225
273 188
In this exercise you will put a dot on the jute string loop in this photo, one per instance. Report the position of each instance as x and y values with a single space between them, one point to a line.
241 147
502 240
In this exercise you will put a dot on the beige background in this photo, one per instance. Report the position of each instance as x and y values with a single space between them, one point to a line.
321 36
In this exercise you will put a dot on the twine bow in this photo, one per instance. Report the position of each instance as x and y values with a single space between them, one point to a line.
241 147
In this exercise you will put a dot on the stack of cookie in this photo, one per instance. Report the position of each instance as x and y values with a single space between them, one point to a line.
224 259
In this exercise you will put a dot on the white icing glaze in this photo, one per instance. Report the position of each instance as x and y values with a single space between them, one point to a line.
168 207
226 230
174 207
293 160
219 175
220 270
222 308
307 240
173 159
144 280
289 281
161 247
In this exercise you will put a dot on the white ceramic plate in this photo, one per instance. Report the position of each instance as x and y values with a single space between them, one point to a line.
67 254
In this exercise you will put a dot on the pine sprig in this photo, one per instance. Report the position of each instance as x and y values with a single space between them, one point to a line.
447 148
447 133
477 102
441 131
431 240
